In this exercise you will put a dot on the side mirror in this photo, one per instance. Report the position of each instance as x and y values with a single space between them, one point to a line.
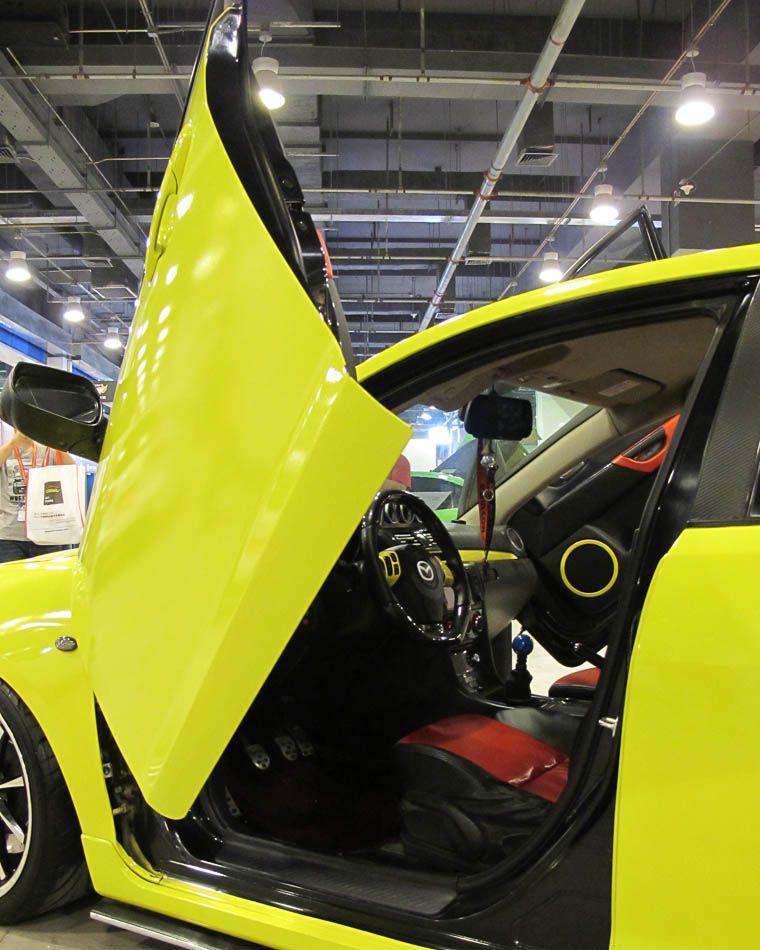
491 416
54 407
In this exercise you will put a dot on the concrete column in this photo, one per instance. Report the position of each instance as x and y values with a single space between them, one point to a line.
695 227
59 362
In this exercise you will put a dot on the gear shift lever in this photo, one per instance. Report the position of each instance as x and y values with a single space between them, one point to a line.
517 686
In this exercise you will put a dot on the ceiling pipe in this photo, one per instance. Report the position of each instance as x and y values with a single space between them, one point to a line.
747 91
564 23
437 216
179 91
501 195
118 232
199 27
522 195
564 217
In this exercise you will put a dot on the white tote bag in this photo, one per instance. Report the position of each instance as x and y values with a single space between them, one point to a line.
55 504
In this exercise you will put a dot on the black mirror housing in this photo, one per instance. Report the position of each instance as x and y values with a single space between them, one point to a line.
54 407
491 416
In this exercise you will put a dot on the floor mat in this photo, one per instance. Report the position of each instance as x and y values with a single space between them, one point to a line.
321 800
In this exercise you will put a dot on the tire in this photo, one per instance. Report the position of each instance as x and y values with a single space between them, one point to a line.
41 860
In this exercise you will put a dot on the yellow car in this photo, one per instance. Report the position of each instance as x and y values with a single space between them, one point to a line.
266 699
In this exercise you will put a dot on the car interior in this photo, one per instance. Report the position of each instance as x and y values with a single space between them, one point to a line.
396 747
399 729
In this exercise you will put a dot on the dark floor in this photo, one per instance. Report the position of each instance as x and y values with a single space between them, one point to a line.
71 929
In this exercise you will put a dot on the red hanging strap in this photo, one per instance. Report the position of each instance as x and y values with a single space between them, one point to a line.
24 476
486 493
58 458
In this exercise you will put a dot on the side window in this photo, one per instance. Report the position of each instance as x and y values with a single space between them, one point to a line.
442 457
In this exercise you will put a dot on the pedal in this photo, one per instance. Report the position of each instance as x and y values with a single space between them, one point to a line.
258 756
304 743
287 746
232 806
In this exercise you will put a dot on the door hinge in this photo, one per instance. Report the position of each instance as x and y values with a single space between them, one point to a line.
608 722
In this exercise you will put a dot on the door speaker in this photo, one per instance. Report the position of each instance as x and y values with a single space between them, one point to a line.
589 568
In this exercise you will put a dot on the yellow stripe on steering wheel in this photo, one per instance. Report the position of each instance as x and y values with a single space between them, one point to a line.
391 566
447 575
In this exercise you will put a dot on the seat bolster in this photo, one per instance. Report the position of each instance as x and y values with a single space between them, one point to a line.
555 722
506 753
578 685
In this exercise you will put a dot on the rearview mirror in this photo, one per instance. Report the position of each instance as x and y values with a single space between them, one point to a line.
54 407
491 416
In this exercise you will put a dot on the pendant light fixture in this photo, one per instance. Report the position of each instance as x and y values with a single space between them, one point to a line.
694 106
550 271
17 269
603 208
266 70
73 312
112 340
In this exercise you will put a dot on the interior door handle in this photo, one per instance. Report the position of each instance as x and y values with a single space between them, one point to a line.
648 462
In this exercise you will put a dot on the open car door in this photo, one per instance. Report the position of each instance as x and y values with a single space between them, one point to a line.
240 453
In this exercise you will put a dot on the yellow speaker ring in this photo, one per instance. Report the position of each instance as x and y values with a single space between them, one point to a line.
586 593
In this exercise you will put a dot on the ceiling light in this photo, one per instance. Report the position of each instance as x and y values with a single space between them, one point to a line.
112 340
603 207
265 69
694 106
550 273
72 311
17 270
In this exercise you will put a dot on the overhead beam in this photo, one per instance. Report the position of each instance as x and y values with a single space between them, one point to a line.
111 72
17 315
403 216
57 153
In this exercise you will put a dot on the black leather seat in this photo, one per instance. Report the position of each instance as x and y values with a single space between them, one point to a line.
475 788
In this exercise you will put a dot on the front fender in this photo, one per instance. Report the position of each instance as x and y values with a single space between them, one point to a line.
35 609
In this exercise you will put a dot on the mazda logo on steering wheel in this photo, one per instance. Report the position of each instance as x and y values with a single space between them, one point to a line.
426 572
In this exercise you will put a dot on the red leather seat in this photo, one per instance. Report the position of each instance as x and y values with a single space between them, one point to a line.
504 752
578 685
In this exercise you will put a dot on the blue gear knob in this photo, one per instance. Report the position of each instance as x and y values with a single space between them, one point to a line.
523 644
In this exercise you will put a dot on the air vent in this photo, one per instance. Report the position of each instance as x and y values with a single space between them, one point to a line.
7 151
115 292
537 156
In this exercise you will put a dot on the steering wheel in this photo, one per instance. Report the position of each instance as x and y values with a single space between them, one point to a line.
408 578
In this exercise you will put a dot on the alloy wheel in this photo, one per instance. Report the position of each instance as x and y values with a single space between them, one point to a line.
15 810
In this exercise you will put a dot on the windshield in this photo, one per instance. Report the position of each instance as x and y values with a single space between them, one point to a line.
634 241
442 457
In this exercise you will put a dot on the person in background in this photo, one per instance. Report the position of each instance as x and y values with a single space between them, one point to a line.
17 457
400 476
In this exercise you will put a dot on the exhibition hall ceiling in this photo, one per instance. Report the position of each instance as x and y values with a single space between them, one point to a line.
394 110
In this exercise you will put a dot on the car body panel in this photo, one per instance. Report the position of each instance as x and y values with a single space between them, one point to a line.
36 610
704 264
688 735
206 543
116 876
156 613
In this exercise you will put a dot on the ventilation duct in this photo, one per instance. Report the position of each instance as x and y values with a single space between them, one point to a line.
535 147
47 20
8 154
